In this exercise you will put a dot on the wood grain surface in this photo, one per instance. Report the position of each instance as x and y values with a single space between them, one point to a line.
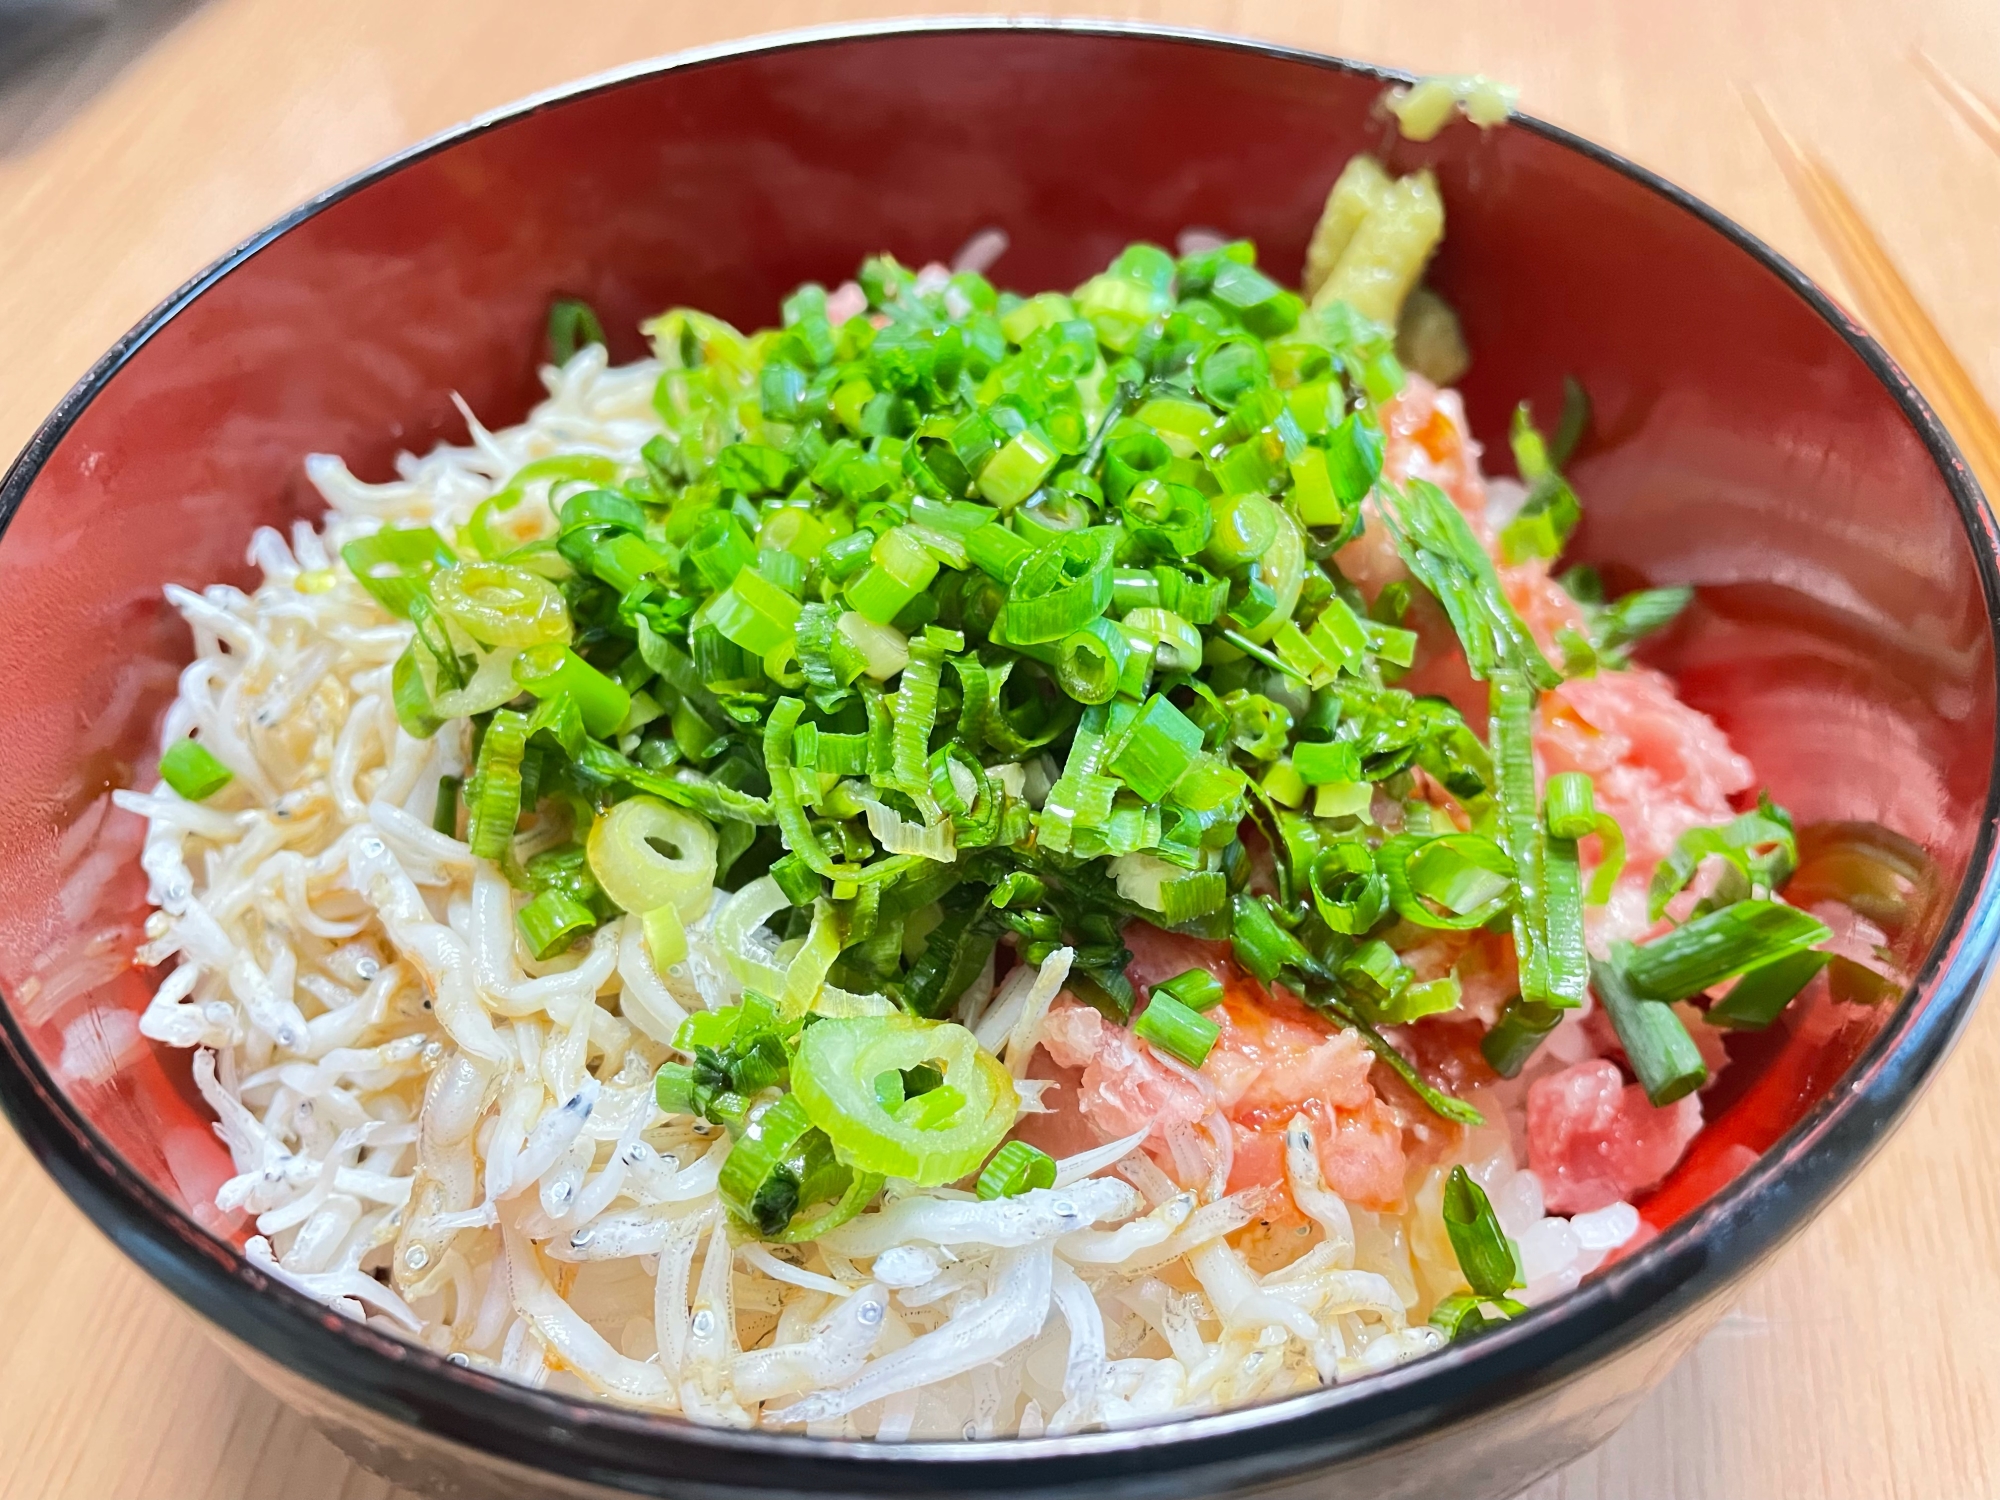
1865 1362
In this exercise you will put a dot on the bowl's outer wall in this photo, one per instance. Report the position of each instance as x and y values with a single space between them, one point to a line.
1741 444
1492 1456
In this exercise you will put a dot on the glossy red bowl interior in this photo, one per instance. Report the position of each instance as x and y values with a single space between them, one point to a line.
1748 441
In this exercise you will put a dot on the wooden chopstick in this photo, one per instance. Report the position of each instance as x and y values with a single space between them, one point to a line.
1969 107
1888 304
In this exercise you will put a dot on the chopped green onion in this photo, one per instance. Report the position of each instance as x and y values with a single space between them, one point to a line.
1159 747
1760 846
1175 1029
1522 1027
547 671
674 1088
1258 727
1512 731
1283 784
1562 908
1719 946
192 770
1013 473
1353 459
810 1222
501 605
1197 989
1260 944
1186 897
624 560
833 1077
1091 663
645 854
1455 881
845 556
1542 526
551 919
997 552
1321 761
1245 527
956 951
1062 588
901 568
1229 368
1016 1168
1570 808
1376 974
444 817
1260 304
1463 1314
757 1182
397 564
573 323
1176 643
1639 615
1349 891
1174 520
665 936
1313 493
754 613
496 786
1249 647
1490 1260
1656 1043
1755 1000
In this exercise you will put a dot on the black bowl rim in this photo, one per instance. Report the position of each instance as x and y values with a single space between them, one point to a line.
1693 1263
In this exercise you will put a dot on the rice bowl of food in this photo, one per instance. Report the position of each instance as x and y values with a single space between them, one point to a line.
993 835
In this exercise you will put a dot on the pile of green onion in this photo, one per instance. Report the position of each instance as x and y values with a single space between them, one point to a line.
979 615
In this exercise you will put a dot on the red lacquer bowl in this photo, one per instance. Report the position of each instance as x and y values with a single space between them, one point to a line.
1750 441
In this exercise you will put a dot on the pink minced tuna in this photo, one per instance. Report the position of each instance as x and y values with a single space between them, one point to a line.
1594 1139
1272 1059
1660 768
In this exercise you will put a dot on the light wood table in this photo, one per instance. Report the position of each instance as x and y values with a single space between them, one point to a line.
1866 1362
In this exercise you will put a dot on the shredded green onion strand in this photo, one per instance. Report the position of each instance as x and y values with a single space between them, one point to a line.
1756 1000
1512 720
1611 864
1720 945
1759 847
